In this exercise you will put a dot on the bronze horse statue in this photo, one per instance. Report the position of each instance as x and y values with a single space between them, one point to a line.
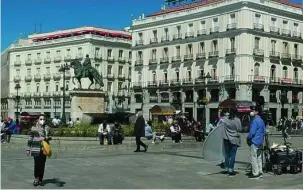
93 75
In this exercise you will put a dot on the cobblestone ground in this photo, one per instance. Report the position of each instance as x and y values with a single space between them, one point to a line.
121 169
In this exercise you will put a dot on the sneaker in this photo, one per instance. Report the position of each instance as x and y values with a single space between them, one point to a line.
153 142
261 175
254 177
224 172
232 174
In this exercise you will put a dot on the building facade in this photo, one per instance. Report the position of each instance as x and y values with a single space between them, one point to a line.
249 48
34 64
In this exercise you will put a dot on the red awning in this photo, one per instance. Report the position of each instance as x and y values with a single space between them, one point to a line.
116 34
103 33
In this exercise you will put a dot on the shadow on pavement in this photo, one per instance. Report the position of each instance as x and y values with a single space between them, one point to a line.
55 181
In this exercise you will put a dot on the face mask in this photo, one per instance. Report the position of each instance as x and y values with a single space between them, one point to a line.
252 114
226 114
41 122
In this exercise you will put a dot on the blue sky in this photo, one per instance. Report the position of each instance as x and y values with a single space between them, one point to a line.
20 16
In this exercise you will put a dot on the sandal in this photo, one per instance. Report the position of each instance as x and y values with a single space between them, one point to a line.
35 183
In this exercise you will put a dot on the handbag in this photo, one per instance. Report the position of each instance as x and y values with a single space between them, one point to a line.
46 148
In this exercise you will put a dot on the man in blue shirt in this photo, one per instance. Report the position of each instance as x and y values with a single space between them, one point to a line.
255 140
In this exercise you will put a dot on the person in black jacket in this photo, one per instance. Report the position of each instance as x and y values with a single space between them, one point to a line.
140 131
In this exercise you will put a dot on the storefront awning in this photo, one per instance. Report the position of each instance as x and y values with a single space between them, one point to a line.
163 110
240 105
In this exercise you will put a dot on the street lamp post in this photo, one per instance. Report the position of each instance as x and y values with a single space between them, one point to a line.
63 68
202 100
17 87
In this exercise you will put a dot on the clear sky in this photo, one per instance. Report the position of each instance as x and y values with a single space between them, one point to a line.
20 16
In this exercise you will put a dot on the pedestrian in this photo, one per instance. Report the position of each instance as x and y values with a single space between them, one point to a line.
140 131
255 140
231 137
40 132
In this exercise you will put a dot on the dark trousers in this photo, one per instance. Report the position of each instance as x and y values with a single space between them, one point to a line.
39 166
102 137
139 142
199 136
8 135
117 138
230 155
176 137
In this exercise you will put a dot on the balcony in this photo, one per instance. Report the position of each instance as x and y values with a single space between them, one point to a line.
231 26
200 56
57 59
257 78
139 62
38 61
28 62
37 94
213 54
27 94
57 94
47 77
175 82
202 32
200 80
98 57
153 61
137 85
68 57
163 83
230 78
189 35
47 106
139 43
28 78
297 58
37 77
213 79
165 39
110 59
286 81
258 52
285 57
68 75
17 63
176 58
188 57
187 81
296 35
153 99
274 55
17 78
214 30
154 40
121 76
258 26
231 51
286 33
164 60
110 76
120 93
47 60
79 56
47 94
177 36
274 30
57 76
274 80
121 59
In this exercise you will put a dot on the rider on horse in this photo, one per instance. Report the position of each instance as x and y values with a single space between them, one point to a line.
87 66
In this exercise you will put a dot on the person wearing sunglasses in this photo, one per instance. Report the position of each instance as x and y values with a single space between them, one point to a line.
40 132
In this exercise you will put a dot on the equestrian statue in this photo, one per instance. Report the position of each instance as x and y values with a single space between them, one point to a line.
86 70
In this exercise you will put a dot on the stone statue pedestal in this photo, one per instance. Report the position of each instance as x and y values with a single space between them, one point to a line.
86 104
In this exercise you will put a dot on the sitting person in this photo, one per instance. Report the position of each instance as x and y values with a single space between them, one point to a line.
150 135
175 130
209 128
117 134
199 133
103 132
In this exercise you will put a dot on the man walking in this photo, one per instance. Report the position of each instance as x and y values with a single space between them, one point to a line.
255 139
140 132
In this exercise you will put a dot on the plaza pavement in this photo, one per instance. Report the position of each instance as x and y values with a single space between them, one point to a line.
178 166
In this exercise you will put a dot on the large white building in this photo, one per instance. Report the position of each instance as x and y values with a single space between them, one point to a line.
249 47
34 64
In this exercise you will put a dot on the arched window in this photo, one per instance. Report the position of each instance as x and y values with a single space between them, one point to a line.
273 72
165 76
154 76
28 87
57 87
257 69
232 69
177 75
296 74
188 74
38 87
285 72
67 85
47 87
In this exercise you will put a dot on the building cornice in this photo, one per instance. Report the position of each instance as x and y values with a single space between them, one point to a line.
218 10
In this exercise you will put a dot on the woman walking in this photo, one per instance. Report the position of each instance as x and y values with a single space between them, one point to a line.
231 127
40 132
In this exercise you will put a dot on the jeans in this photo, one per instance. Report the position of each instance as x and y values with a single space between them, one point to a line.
230 155
39 166
256 159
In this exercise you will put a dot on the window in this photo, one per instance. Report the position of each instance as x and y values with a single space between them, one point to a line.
57 87
178 52
203 25
28 102
120 70
130 71
296 27
97 52
154 77
285 47
285 72
29 71
37 102
201 47
37 87
215 22
68 52
47 102
273 45
273 22
28 87
189 49
200 72
109 69
109 53
38 55
165 52
109 86
232 43
29 56
17 57
214 46
120 85
232 70
177 75
140 35
120 53
285 25
139 77
48 54
296 74
257 43
213 73
232 18
154 54
79 50
38 71
165 77
97 67
273 72
140 55
257 19
165 32
67 85
130 55
190 28
257 69
296 50
189 74
58 52
47 70
155 34
17 72
178 30
47 87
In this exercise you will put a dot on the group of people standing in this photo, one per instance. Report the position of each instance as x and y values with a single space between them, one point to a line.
231 127
8 127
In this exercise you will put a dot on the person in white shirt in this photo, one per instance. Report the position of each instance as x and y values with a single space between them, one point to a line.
78 121
103 132
70 123
175 130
